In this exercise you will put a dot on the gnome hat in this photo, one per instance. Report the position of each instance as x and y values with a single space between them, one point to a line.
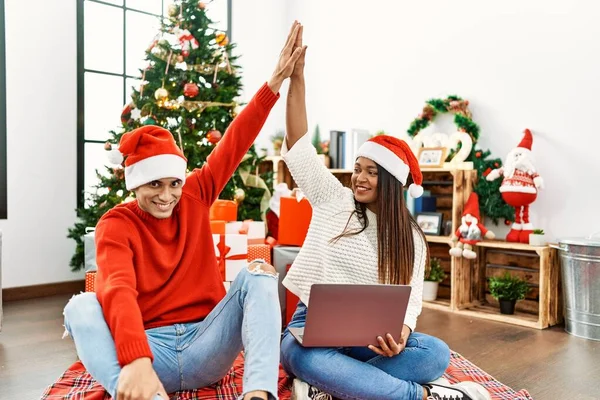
472 206
396 157
151 154
527 140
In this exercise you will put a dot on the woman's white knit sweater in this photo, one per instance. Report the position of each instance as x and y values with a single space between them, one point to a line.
350 260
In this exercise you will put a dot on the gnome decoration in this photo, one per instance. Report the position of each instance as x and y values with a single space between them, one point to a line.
470 230
519 187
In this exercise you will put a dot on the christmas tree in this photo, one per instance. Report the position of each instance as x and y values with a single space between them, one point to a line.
189 87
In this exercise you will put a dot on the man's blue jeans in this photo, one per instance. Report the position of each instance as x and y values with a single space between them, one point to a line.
193 355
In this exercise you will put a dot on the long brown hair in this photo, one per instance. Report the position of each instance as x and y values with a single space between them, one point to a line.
395 225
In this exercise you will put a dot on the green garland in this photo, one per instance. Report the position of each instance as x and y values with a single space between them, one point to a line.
491 203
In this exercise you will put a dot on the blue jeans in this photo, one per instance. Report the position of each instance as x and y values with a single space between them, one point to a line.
193 355
359 373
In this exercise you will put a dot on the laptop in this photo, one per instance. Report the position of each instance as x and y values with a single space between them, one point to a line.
341 315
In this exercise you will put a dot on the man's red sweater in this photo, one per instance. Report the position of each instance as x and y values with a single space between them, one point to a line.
155 272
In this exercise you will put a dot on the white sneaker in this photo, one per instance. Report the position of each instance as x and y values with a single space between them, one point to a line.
303 391
441 389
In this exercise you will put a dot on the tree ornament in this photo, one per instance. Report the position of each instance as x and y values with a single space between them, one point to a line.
213 136
201 5
222 39
173 10
107 146
239 195
188 42
149 121
161 94
519 187
190 90
507 222
478 154
126 113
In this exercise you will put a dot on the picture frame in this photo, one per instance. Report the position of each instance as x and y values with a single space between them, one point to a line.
430 222
432 157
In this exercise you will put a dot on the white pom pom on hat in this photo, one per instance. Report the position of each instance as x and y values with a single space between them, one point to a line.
396 157
115 156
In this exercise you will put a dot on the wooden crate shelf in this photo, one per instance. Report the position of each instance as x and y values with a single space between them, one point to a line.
538 265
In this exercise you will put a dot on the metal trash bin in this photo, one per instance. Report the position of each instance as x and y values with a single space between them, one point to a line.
580 270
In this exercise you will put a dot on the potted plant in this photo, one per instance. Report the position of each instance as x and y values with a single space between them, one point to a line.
433 278
507 289
537 238
318 145
277 140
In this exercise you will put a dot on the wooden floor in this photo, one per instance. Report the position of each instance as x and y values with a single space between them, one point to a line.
550 364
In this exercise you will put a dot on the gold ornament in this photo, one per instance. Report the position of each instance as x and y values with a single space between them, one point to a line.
221 39
239 195
173 10
161 94
201 5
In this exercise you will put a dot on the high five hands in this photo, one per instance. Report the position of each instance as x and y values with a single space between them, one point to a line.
291 59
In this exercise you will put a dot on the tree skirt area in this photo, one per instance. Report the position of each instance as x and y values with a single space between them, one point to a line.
77 384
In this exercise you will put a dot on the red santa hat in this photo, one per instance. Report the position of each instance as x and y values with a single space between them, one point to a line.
527 140
472 206
396 157
151 153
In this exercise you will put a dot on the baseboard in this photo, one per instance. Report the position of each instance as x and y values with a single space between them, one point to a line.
48 289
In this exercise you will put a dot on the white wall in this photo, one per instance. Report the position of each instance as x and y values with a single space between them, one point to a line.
41 121
520 64
259 30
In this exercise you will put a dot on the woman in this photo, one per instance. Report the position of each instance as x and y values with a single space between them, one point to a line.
363 235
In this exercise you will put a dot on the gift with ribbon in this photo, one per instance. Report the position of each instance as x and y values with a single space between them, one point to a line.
223 210
294 219
255 230
232 254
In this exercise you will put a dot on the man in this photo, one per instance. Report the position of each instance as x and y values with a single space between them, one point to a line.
160 320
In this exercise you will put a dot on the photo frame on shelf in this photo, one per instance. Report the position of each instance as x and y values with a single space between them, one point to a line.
432 157
430 222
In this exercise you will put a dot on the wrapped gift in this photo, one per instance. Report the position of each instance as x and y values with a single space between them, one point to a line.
254 229
291 303
89 250
262 251
223 210
232 254
218 227
294 220
90 281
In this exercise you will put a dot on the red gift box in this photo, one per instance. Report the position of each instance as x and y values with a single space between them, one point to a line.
217 227
90 281
223 210
291 302
259 251
294 219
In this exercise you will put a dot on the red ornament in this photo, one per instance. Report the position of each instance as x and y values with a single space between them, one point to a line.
478 154
214 136
496 165
487 172
190 90
126 113
507 222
